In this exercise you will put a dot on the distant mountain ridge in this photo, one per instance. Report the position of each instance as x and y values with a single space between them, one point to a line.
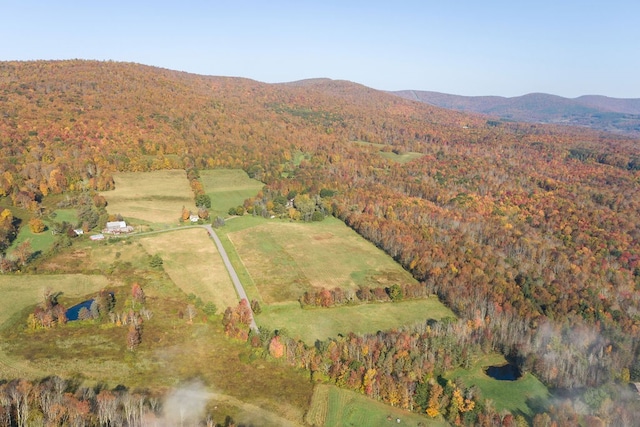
603 113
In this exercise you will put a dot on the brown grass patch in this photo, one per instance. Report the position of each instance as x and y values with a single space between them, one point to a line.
193 263
155 197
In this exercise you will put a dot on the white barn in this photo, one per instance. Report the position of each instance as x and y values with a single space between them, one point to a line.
117 227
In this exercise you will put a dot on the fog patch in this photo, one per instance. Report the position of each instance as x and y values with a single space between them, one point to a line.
186 406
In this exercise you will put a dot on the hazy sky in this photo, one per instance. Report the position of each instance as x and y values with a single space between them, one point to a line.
464 47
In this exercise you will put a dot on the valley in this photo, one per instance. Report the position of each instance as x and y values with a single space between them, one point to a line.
389 249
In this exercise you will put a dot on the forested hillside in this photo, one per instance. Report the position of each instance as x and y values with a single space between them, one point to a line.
531 232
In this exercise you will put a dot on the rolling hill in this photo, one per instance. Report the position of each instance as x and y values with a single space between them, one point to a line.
592 111
529 232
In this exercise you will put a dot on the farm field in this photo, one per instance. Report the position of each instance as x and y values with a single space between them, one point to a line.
276 261
228 188
193 263
285 259
314 324
335 407
155 197
519 396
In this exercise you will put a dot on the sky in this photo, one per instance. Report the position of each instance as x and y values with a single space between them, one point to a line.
464 47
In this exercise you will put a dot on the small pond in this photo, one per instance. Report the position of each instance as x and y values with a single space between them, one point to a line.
506 372
72 312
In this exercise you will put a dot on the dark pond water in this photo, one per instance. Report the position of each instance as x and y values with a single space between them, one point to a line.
506 372
72 312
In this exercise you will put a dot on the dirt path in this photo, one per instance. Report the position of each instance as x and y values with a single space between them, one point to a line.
223 253
232 272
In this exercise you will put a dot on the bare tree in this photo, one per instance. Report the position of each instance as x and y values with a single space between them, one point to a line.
107 408
23 252
191 312
19 392
148 314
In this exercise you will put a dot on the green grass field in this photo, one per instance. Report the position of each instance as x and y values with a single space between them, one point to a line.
398 158
310 325
40 242
154 197
228 188
518 397
335 407
68 215
285 259
278 261
401 158
193 263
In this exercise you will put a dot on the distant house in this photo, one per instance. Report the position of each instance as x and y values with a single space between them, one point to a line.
78 231
194 217
117 227
635 387
97 237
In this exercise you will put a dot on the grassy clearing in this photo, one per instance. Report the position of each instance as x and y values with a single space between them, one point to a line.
520 396
193 263
398 158
285 259
401 158
172 352
155 197
310 325
19 293
68 215
332 406
96 257
228 188
40 242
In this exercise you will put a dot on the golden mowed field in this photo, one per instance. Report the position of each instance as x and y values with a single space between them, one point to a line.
155 197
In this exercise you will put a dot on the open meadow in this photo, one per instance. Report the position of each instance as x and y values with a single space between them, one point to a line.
286 259
193 263
172 350
19 293
520 396
335 407
311 324
404 157
228 188
278 261
154 197
40 242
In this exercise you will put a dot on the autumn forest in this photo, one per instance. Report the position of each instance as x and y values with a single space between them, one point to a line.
529 233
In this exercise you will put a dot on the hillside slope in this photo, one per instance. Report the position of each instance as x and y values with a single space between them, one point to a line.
529 231
592 111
